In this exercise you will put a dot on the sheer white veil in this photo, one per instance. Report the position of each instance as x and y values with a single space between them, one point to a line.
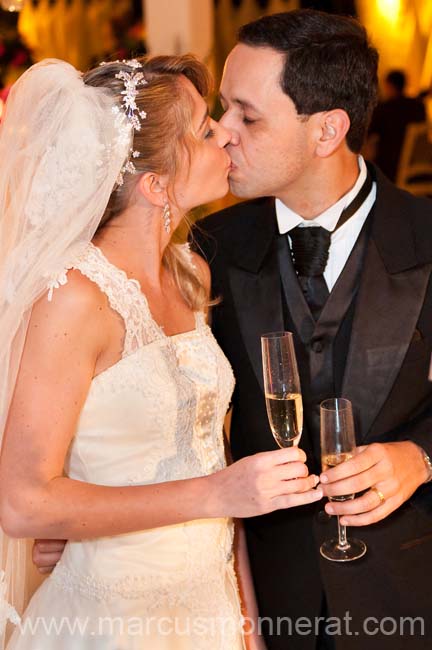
61 152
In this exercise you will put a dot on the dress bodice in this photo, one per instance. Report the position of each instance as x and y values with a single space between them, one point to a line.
156 415
160 409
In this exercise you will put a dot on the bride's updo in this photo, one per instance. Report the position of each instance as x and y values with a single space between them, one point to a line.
166 134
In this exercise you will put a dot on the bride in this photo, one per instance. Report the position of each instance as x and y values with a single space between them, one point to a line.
114 388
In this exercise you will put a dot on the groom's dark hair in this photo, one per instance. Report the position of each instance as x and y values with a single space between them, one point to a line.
329 63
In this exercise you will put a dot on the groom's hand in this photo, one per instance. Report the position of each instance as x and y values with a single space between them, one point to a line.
46 553
386 474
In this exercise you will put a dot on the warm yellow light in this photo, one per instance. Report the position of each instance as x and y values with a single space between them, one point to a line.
12 5
389 9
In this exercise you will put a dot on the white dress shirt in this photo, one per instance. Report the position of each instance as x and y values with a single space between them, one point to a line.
343 240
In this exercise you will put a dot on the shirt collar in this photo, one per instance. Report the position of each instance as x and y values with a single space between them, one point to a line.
288 219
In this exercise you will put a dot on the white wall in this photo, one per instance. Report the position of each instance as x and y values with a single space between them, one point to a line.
180 26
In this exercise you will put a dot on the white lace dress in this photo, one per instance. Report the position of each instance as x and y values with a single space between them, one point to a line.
154 416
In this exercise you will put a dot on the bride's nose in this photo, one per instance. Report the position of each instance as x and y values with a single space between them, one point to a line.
224 135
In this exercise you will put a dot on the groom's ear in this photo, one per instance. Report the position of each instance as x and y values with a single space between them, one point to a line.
331 130
153 188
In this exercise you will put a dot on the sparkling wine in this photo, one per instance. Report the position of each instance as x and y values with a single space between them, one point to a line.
285 414
331 460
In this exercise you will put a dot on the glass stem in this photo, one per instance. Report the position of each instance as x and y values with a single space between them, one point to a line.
343 542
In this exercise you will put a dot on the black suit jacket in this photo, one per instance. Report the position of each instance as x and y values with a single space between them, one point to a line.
385 375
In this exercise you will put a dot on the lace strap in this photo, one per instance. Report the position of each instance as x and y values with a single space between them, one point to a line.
200 319
124 295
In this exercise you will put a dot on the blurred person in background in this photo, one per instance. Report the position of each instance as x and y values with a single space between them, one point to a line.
390 120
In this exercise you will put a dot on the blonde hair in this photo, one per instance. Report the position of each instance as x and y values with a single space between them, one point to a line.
166 135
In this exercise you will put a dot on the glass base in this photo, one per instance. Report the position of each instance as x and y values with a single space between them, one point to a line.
353 551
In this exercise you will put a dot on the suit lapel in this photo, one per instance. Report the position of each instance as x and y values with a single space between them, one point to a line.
392 288
381 333
389 302
255 284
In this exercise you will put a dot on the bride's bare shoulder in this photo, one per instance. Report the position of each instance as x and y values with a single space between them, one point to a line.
72 291
73 309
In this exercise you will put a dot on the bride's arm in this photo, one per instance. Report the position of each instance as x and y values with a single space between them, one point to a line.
64 341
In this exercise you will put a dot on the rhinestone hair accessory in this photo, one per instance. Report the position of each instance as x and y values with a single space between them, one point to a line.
129 109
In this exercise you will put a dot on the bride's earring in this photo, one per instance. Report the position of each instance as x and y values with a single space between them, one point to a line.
166 216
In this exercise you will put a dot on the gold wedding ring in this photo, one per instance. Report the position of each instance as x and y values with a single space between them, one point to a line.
379 494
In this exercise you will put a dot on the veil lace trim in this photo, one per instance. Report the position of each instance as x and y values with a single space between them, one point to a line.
60 162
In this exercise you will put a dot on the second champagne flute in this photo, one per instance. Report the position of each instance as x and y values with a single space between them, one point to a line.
337 446
282 388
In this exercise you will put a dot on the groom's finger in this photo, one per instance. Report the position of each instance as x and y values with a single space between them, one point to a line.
50 545
45 560
46 569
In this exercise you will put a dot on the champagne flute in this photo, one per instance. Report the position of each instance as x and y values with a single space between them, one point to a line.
338 446
282 388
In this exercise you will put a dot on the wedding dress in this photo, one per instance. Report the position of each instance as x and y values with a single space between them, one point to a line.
156 415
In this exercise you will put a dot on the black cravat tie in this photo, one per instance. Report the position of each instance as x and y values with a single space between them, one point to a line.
310 251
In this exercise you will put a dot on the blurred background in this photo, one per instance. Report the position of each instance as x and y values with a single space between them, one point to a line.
84 32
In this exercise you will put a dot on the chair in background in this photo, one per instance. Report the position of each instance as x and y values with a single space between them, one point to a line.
415 164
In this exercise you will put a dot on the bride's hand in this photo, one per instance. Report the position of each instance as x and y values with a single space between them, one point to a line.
262 483
46 553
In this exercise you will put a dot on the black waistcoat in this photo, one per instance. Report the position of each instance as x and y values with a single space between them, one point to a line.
322 346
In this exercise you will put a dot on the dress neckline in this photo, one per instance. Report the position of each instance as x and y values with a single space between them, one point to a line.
138 289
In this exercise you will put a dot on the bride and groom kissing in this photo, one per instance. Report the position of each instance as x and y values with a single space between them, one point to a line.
117 423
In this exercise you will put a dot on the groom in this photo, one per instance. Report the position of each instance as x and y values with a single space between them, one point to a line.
298 91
